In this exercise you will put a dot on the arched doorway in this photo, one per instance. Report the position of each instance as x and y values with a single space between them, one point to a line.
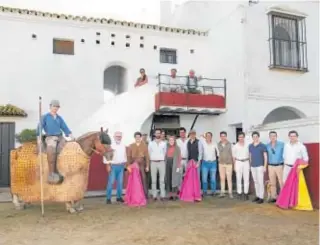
114 81
283 114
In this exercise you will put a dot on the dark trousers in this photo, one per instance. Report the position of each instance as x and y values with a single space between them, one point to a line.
143 174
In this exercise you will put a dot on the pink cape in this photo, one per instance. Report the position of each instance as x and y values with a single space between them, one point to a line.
135 196
288 196
190 188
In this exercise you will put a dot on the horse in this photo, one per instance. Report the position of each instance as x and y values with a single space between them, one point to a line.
72 164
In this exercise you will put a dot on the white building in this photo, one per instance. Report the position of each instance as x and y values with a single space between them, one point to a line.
271 76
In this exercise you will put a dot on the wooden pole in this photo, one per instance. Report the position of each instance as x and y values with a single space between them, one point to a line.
40 155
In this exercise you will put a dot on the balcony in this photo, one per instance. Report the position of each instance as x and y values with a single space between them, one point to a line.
208 98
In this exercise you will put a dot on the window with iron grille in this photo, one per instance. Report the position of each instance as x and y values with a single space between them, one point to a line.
287 42
168 56
61 46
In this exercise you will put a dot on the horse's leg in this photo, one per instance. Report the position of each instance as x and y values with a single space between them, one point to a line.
78 206
17 202
70 207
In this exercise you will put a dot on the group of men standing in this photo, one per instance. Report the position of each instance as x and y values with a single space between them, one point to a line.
275 157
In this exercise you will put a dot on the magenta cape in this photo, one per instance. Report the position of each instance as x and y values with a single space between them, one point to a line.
190 188
288 196
134 193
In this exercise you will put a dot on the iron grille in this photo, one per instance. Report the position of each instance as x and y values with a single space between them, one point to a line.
287 42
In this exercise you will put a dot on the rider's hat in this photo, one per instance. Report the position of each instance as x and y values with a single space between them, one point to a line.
55 103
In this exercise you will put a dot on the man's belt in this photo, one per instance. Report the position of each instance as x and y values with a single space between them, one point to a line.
58 135
289 165
242 160
275 164
157 160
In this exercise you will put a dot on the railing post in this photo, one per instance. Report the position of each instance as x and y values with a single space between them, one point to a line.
225 92
159 82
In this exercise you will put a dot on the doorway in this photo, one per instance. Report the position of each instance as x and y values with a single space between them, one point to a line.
114 81
238 131
170 124
7 140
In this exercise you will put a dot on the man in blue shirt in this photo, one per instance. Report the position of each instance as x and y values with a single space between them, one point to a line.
275 164
258 162
53 125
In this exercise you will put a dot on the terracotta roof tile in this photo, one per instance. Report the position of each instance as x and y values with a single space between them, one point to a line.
102 21
11 111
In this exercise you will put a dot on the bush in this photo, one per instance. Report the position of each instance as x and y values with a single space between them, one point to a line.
27 135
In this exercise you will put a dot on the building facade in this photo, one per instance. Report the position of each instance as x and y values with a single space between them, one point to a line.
259 60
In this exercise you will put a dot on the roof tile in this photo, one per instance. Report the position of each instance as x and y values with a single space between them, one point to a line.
11 111
102 21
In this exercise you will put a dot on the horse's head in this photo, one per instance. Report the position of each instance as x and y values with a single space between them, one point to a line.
98 142
105 141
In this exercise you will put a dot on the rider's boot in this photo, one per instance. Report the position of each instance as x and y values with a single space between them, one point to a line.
54 177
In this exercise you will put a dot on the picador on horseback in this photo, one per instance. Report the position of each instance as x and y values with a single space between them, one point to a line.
53 125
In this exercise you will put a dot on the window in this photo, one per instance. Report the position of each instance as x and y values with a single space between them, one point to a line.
168 56
63 47
287 42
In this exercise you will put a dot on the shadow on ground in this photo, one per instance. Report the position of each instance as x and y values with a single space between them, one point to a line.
212 222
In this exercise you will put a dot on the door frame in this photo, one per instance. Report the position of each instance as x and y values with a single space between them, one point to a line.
5 147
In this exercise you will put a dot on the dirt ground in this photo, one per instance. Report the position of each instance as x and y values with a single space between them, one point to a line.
213 222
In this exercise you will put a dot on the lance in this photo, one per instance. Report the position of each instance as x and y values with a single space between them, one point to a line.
40 155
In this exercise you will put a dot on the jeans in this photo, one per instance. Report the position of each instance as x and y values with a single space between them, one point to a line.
116 174
207 167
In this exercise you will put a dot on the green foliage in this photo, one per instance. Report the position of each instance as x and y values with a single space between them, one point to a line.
27 135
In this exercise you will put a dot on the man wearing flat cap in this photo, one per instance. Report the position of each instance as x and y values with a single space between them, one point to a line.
54 126
195 150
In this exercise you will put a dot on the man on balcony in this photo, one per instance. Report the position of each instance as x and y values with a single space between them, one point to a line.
192 83
171 83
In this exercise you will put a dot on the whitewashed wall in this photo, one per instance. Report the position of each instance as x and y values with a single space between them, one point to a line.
308 129
239 50
29 68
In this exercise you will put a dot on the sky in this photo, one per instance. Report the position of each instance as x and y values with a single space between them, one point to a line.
147 11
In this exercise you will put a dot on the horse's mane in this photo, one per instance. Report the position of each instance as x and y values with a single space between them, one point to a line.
86 135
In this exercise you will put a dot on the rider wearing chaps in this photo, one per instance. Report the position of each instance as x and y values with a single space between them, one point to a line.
54 146
53 125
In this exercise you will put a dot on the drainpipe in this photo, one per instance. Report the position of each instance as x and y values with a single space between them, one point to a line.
245 68
194 122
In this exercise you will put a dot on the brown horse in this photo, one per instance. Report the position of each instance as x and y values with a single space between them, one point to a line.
72 164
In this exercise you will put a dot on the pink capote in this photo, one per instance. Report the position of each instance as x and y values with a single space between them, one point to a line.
288 196
135 196
190 188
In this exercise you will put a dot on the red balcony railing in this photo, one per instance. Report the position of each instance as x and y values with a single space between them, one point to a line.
208 96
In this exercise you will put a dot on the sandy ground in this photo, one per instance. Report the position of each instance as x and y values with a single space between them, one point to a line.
212 222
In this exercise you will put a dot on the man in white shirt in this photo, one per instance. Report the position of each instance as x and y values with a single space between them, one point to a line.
157 152
209 164
182 143
171 83
293 150
240 154
115 167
